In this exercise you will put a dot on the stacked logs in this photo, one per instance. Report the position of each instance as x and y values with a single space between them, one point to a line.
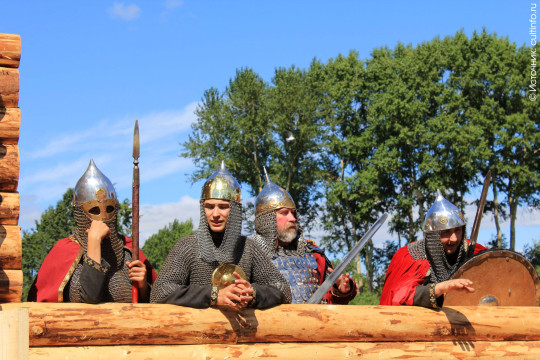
11 278
159 331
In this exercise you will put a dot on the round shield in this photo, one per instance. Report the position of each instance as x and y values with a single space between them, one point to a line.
223 275
500 278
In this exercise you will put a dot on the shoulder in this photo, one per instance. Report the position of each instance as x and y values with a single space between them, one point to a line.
66 245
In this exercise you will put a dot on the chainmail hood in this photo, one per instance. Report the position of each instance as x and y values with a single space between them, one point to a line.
230 248
111 247
430 248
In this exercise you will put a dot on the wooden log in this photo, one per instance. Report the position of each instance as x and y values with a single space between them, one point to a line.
125 324
14 334
9 167
373 350
11 285
10 50
10 125
9 87
10 247
9 208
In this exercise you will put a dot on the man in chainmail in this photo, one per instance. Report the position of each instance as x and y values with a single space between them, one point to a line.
195 272
94 264
300 261
419 272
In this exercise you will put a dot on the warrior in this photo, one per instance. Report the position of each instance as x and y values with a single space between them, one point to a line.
93 264
419 272
301 261
217 265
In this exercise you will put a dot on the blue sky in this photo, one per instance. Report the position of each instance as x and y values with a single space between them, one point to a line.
89 69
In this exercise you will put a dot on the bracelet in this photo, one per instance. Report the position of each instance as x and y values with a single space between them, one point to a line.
254 297
432 297
214 295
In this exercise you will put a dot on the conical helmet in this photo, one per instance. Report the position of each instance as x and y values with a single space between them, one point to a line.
221 185
443 215
95 193
272 197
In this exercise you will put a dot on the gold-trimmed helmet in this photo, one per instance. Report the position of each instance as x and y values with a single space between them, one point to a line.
272 197
443 215
95 193
221 185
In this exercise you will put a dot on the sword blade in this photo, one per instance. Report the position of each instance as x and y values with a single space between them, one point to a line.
331 279
478 217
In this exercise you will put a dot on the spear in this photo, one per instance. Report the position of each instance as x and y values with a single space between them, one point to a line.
135 207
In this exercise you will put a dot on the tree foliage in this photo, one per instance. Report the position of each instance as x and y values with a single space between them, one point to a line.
381 134
157 247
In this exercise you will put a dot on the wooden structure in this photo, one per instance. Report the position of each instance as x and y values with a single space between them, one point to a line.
10 121
155 331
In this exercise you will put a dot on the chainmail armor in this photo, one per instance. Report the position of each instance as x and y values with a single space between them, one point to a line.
431 249
118 287
230 248
111 247
185 266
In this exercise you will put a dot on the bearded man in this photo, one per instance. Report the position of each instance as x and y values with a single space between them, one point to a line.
93 264
300 261
193 273
419 272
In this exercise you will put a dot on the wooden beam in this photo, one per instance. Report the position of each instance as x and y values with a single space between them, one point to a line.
10 125
126 324
345 350
10 247
9 87
9 167
10 50
9 208
11 285
14 334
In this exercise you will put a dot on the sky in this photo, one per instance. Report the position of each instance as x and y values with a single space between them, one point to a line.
89 69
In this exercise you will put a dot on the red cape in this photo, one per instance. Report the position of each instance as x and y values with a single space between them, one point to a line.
404 275
60 264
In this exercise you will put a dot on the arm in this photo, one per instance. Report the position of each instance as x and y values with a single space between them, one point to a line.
172 284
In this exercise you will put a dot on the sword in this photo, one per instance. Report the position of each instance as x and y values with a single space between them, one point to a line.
135 208
478 217
331 279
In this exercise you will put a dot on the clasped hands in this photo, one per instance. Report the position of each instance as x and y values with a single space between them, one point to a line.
237 295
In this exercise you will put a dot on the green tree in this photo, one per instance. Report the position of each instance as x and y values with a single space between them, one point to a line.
157 247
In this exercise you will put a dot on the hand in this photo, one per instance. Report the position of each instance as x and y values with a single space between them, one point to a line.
453 285
236 295
97 232
137 273
343 282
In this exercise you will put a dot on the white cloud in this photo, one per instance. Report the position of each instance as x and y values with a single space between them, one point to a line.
124 12
155 217
172 4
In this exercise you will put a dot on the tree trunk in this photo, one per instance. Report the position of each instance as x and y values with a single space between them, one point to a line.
10 124
9 87
10 50
496 212
10 247
9 167
483 350
513 202
9 208
66 324
11 285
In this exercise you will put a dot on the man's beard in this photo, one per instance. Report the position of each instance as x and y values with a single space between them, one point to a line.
287 236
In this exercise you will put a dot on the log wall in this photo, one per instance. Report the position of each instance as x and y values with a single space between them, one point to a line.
10 123
158 331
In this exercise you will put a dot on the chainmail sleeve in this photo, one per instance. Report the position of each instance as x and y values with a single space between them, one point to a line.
271 287
177 283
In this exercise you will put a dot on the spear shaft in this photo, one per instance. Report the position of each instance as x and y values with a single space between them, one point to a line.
135 207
